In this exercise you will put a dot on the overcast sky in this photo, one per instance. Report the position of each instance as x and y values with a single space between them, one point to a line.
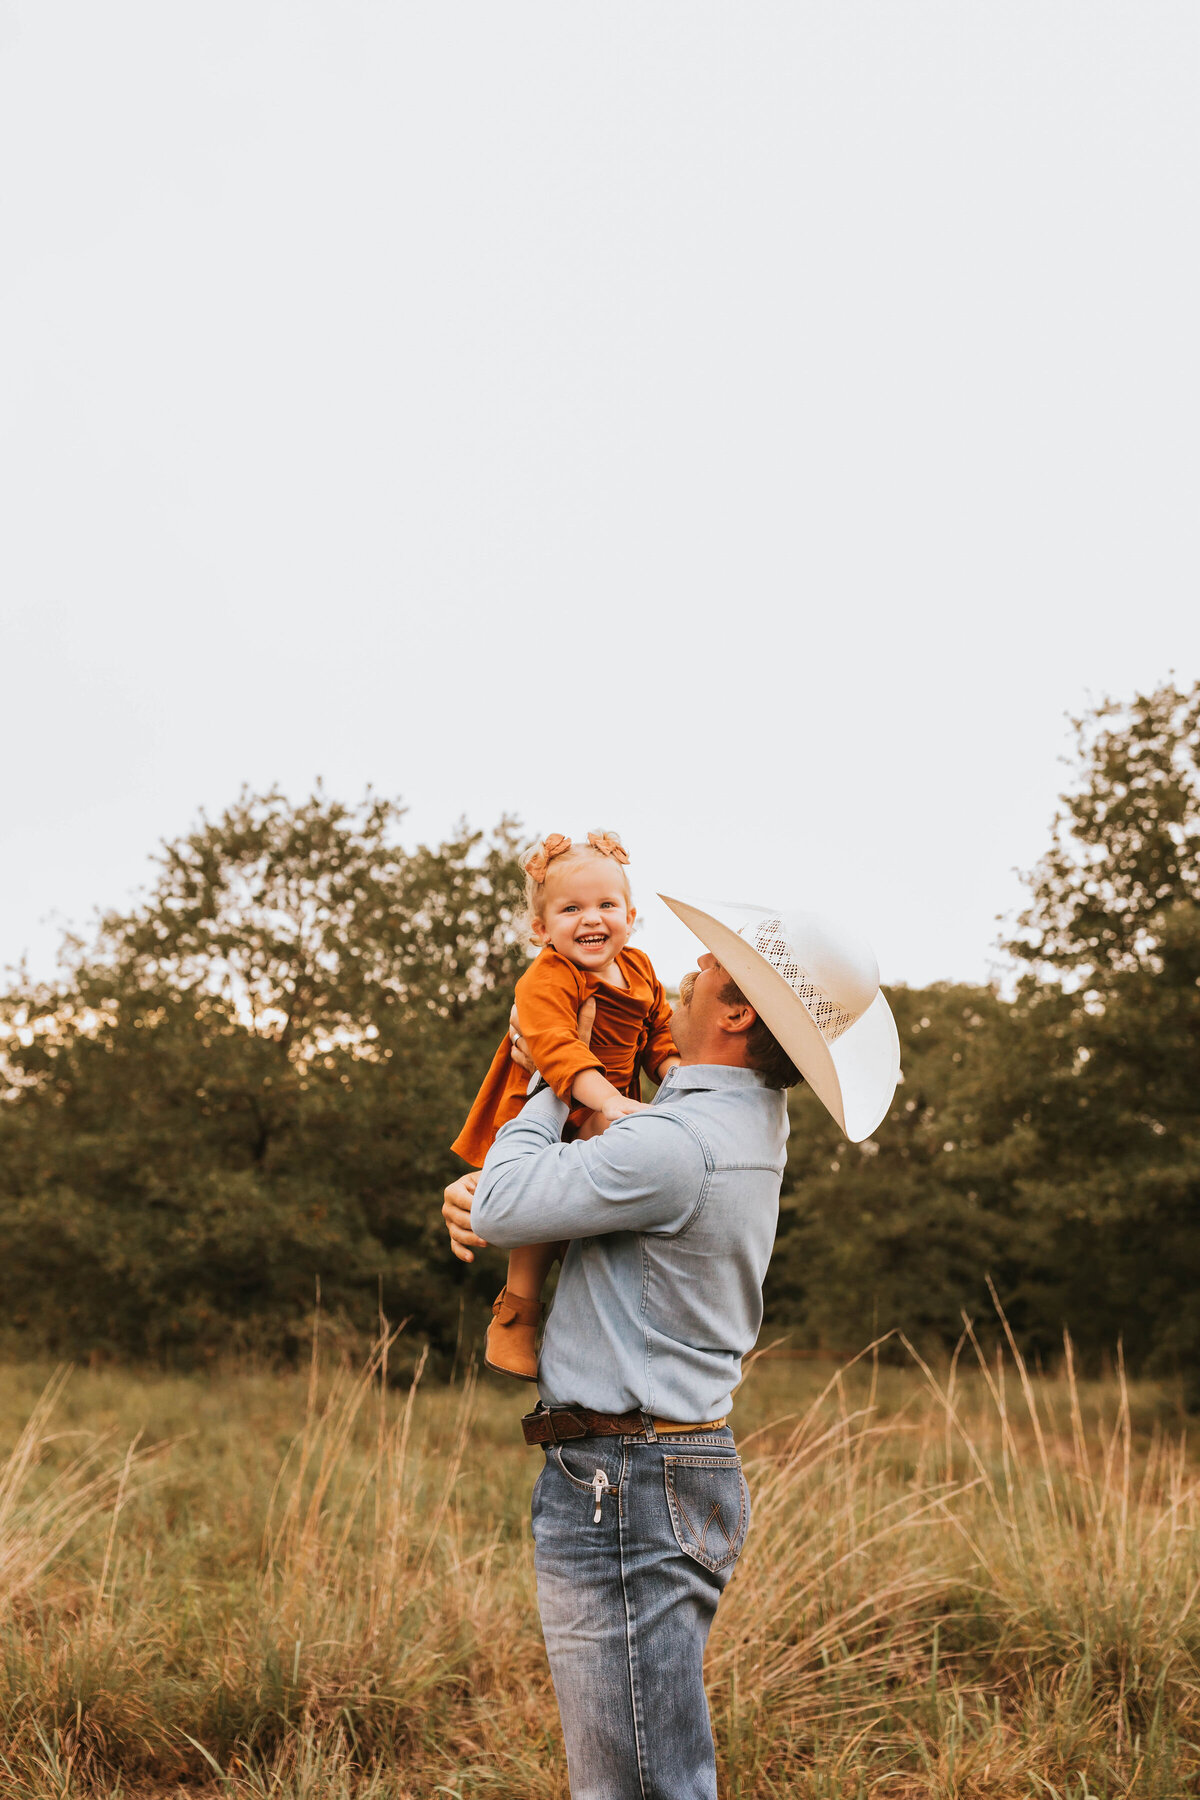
751 427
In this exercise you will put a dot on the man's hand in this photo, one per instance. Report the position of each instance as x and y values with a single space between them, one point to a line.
456 1210
518 1049
456 1200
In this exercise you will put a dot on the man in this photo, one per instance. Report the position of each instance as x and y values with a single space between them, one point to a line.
641 1509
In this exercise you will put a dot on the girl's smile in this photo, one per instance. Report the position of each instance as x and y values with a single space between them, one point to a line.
586 913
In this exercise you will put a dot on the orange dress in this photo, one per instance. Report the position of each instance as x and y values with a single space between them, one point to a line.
632 1032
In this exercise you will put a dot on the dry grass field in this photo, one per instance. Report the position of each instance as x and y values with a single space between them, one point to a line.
964 1582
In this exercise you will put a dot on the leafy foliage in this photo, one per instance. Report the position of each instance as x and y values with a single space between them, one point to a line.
1126 842
1052 1141
247 1084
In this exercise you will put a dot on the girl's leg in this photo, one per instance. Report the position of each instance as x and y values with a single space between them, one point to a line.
512 1335
528 1267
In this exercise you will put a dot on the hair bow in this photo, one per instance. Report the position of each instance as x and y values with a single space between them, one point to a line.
539 859
608 844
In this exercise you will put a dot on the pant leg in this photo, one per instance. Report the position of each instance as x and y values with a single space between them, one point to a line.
627 1603
582 1607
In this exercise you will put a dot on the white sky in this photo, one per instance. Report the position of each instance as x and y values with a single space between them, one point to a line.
751 427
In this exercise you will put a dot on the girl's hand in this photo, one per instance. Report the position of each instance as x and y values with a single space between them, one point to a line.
619 1107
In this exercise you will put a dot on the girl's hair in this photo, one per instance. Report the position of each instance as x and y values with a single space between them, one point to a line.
556 852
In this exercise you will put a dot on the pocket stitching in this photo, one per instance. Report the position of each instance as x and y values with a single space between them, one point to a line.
614 1487
678 1511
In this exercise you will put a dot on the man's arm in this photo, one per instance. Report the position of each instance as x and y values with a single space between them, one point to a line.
646 1173
456 1200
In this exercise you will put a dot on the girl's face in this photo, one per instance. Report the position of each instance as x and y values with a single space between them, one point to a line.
586 913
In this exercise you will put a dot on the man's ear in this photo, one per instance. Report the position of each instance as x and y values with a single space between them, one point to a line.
738 1019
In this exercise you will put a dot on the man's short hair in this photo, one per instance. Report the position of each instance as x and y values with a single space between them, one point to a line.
764 1052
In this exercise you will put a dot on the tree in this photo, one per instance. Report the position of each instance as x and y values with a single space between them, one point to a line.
250 1081
1115 925
1126 841
1051 1141
903 1230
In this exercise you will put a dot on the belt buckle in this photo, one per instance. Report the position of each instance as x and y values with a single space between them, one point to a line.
555 1413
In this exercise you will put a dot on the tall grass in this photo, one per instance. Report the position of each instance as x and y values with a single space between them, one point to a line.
981 1592
39 1519
970 1581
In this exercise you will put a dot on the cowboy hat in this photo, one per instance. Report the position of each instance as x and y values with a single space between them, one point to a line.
816 987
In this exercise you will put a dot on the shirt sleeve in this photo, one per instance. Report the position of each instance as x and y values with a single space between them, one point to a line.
548 1002
645 1173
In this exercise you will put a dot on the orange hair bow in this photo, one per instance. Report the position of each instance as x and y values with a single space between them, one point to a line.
608 844
539 860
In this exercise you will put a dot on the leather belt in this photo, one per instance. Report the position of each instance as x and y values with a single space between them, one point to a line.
563 1424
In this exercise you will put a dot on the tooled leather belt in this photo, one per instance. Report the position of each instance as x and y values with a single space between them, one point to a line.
563 1424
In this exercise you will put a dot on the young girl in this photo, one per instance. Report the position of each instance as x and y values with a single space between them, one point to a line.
581 913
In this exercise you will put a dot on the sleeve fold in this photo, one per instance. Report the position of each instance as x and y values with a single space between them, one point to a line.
549 996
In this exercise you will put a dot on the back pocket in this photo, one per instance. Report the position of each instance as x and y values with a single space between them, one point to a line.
710 1507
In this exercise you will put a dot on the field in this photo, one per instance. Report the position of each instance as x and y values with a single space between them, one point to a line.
971 1581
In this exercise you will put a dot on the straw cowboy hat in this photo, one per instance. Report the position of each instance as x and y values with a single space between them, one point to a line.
816 987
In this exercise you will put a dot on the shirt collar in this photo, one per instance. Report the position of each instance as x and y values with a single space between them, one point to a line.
710 1075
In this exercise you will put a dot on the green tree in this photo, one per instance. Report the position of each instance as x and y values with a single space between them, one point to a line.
903 1230
250 1080
1114 925
1051 1141
1126 841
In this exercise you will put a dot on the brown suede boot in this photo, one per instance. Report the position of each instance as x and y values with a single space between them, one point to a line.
511 1344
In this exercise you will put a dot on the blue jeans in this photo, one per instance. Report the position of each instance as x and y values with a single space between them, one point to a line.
627 1599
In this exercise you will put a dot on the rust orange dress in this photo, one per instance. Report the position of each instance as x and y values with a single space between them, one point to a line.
632 1032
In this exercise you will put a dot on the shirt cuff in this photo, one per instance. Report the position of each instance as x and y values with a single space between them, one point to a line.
544 1106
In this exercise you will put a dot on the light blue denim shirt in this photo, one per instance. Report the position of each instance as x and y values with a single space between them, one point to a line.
671 1216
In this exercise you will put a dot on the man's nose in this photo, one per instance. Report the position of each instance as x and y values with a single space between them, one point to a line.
707 961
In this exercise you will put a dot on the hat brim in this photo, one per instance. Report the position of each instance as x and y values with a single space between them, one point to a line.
855 1077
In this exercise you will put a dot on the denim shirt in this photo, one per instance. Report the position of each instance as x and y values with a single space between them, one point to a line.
671 1215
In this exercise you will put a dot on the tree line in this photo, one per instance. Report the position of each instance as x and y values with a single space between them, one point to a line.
242 1089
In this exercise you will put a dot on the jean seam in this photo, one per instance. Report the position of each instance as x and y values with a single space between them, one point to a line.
631 1643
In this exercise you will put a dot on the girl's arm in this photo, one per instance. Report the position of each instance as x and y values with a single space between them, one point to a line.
594 1090
548 999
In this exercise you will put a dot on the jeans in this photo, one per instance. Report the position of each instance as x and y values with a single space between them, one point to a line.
634 1540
